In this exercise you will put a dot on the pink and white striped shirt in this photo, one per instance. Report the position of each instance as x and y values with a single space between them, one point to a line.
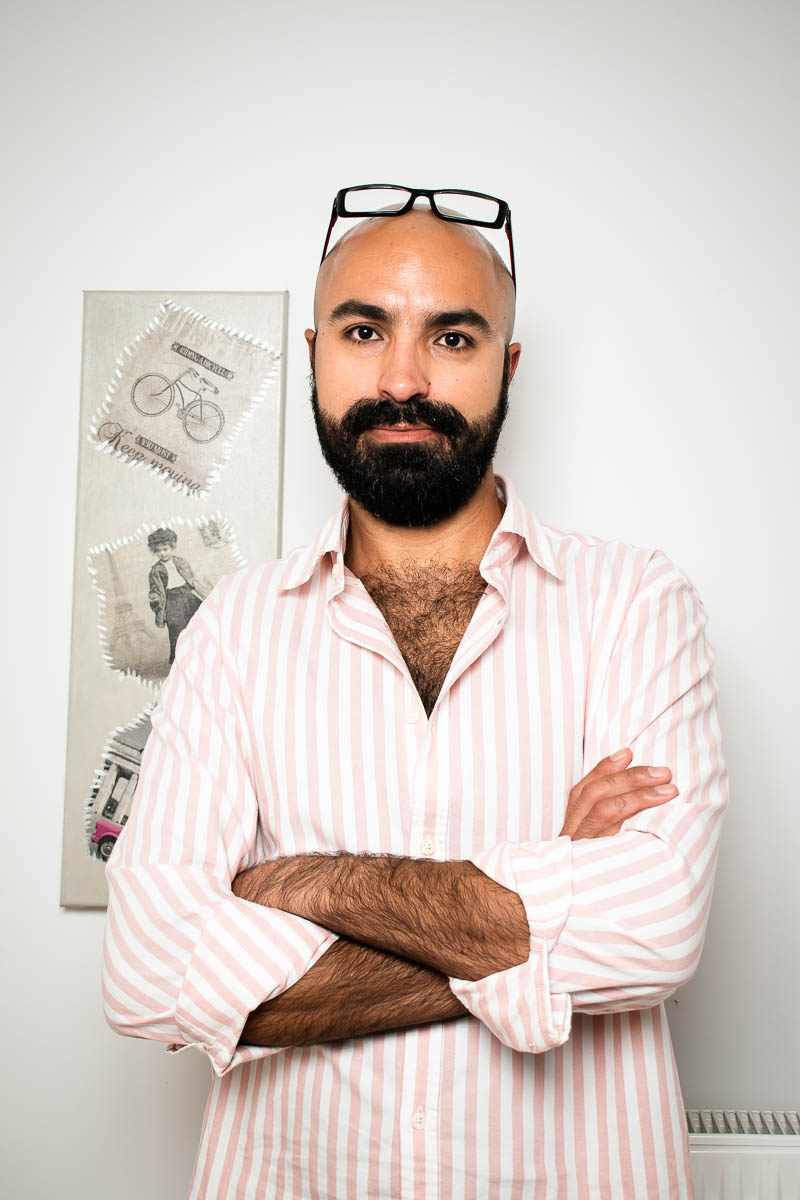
288 724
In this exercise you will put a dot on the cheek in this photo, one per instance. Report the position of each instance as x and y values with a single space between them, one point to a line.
342 379
472 389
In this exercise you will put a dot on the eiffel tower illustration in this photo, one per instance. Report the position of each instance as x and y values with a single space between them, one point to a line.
128 636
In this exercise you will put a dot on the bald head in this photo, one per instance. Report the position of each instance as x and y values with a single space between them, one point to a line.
421 246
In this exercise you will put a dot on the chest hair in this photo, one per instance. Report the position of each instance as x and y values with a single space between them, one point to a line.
428 608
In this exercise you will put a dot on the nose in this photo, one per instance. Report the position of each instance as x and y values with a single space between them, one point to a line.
403 373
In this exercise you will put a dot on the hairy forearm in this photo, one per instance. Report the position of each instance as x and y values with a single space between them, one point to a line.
352 991
449 916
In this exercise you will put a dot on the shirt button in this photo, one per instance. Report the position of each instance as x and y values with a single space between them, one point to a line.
418 1118
337 570
427 845
413 714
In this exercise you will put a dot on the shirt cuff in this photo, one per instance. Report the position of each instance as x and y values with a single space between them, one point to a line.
517 1004
246 954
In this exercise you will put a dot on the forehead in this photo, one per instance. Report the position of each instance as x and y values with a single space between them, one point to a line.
413 263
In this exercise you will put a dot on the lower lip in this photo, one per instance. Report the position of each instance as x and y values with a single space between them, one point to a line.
393 434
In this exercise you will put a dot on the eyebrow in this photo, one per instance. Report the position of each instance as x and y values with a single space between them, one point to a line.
359 308
460 316
433 320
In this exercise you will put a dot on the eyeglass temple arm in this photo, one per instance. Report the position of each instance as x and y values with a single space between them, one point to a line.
510 247
334 215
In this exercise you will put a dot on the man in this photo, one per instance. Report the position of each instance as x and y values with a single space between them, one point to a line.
428 822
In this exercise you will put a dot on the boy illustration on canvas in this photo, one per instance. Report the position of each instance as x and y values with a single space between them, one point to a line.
175 592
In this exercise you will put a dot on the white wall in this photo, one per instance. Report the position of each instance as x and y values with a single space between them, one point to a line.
646 151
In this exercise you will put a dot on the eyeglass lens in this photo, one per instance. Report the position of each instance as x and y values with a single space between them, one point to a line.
474 208
361 202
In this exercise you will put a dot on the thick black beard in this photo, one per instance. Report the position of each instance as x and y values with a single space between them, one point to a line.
418 483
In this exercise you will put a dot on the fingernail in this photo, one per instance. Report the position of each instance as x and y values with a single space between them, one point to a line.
664 789
657 772
618 755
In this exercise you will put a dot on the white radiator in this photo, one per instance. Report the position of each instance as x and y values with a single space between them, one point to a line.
744 1155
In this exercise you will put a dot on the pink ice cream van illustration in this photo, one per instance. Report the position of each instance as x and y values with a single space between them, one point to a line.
104 837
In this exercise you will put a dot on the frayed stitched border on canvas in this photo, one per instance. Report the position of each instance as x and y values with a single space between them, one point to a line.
152 439
126 612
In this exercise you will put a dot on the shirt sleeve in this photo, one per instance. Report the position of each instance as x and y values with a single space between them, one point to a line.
185 960
618 923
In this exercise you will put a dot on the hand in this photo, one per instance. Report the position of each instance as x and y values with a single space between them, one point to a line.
610 793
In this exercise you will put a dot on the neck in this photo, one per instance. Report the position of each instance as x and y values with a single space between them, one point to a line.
462 538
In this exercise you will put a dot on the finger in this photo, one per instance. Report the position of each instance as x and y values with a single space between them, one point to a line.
616 761
605 786
620 807
607 766
606 818
602 833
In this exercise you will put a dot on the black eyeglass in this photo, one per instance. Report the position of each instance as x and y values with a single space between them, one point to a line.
389 200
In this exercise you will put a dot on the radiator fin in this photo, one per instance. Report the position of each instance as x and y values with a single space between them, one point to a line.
749 1121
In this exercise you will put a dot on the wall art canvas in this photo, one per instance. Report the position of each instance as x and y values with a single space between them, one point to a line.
179 483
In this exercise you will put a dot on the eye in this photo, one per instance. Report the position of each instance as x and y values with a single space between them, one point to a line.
362 333
454 341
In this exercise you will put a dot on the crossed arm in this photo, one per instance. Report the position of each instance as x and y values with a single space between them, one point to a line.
405 925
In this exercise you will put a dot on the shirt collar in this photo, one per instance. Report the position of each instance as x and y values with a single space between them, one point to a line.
516 525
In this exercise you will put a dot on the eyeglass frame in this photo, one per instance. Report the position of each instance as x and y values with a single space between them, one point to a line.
502 220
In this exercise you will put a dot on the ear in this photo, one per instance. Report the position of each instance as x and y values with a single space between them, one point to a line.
514 351
311 337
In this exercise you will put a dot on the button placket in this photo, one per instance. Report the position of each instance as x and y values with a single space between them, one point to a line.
430 801
421 732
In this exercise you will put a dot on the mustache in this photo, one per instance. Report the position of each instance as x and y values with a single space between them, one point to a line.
366 414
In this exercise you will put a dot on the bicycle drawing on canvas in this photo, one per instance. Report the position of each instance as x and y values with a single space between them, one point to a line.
202 419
